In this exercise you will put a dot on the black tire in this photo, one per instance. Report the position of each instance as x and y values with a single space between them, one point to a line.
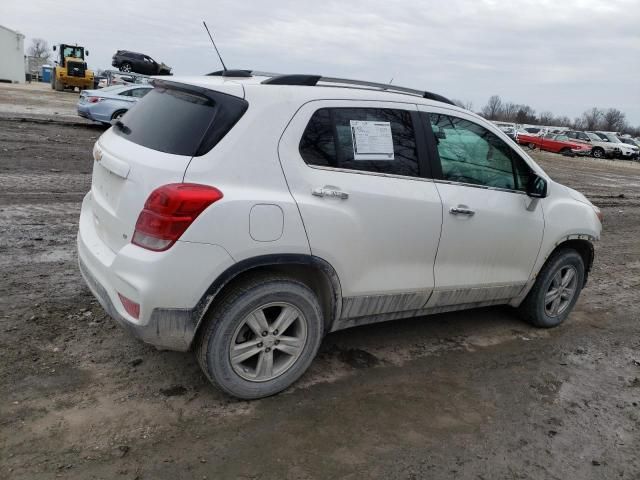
532 146
214 342
533 309
126 67
567 152
117 114
598 152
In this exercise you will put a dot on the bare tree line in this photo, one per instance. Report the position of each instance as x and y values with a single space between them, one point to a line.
611 119
39 49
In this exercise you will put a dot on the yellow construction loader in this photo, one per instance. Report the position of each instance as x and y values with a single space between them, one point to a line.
71 69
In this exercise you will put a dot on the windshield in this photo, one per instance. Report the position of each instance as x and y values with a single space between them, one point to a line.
594 137
77 52
612 138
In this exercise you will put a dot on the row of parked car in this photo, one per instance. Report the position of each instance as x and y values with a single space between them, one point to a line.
597 144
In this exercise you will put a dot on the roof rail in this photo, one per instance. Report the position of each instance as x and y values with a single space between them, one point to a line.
230 73
314 80
296 79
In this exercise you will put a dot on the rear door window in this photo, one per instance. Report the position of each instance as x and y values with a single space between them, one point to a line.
380 140
181 120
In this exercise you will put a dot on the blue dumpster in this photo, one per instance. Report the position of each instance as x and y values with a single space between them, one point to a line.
46 73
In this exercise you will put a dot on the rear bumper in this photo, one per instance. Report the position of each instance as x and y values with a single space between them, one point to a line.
80 82
169 311
167 329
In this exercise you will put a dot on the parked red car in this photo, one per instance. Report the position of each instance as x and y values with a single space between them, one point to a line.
556 143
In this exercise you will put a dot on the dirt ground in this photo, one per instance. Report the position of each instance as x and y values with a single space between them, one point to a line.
38 100
468 395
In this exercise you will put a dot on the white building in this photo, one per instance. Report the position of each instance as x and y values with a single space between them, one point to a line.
11 55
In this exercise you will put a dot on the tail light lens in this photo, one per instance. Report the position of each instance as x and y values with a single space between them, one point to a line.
169 211
599 214
94 99
130 306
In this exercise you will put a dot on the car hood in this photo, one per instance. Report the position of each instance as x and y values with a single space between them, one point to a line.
626 146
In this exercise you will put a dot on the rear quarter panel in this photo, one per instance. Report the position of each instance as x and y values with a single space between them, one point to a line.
246 168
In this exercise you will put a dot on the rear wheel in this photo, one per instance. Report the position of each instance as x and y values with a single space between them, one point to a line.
597 152
556 290
125 67
261 337
118 114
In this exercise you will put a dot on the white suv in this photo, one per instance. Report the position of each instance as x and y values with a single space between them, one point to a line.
245 216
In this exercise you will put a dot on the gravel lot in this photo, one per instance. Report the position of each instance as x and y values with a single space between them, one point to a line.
469 395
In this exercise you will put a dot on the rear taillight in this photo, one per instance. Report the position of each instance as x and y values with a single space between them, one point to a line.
94 99
169 211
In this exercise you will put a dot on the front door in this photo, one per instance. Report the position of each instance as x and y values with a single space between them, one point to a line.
491 230
357 172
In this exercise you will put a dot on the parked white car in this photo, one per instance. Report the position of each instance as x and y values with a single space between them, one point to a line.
600 148
245 217
627 152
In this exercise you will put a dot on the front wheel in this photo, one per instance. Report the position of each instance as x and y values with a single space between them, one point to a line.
261 337
556 290
598 152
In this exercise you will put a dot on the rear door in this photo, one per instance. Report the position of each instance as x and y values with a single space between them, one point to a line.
153 145
491 230
357 172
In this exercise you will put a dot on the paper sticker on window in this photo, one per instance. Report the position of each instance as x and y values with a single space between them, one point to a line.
371 140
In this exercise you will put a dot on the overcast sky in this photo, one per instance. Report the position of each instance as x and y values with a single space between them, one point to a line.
559 55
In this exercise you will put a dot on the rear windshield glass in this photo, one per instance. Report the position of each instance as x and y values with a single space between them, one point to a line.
180 121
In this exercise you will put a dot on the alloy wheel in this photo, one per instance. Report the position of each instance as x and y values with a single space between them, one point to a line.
268 342
561 291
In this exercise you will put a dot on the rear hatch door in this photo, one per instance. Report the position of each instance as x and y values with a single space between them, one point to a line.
152 146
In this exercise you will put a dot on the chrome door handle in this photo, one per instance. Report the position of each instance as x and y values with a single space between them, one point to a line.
461 210
329 192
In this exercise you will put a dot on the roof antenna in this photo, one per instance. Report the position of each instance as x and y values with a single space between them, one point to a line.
224 67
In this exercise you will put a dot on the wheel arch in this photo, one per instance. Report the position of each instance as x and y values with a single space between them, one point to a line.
117 111
582 243
314 272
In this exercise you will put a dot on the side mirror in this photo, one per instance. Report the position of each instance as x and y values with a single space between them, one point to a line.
86 52
55 48
537 187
